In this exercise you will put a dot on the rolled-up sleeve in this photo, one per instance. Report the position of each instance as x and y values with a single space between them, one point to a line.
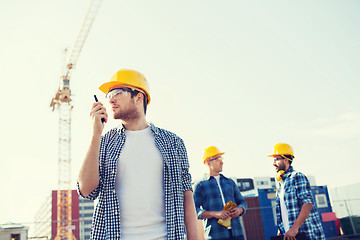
303 189
198 200
184 164
93 195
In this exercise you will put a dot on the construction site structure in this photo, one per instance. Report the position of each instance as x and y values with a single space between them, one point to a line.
62 102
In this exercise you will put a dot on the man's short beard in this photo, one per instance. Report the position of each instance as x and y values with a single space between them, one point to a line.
281 167
127 114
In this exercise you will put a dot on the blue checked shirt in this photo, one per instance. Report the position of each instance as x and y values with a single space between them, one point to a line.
297 192
177 179
207 197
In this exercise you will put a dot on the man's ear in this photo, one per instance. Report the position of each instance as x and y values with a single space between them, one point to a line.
139 97
288 161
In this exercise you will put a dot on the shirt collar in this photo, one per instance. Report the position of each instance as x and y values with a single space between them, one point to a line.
154 129
288 172
121 129
208 177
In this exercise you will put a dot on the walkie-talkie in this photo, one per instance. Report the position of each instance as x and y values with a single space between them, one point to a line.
96 100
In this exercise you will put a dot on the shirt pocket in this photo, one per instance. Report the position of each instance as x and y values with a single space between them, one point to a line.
228 191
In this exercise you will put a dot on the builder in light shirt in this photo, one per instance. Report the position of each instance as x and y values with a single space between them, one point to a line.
138 172
211 195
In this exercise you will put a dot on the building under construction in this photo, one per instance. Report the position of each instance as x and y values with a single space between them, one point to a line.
46 223
62 102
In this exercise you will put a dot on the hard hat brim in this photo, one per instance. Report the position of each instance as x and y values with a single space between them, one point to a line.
105 87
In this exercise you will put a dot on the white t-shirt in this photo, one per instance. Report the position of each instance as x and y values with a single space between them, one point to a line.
218 182
139 187
222 195
283 208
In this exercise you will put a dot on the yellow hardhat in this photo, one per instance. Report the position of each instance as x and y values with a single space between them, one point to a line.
130 78
210 152
282 149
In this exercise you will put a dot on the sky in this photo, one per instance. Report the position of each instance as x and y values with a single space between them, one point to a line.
239 75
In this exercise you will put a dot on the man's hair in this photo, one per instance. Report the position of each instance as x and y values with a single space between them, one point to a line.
135 93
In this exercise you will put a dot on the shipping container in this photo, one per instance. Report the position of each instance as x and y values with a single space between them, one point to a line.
268 211
322 199
252 221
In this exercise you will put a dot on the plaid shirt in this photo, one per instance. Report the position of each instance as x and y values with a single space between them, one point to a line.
207 197
177 179
297 192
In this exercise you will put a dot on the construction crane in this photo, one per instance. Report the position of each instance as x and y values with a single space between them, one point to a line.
62 102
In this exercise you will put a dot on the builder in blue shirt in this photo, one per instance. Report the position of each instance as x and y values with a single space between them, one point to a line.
295 206
211 195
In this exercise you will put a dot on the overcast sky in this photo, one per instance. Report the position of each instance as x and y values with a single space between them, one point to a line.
240 75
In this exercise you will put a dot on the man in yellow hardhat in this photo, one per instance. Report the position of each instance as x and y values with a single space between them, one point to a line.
295 205
212 197
138 172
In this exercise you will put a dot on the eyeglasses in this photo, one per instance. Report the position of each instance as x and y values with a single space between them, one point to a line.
218 159
278 159
117 91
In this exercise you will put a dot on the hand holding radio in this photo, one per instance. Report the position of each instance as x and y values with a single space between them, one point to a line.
96 100
99 115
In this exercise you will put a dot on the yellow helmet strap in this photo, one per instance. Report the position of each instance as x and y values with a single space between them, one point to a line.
145 99
286 158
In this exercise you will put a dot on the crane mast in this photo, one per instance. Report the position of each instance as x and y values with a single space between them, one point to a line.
62 102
